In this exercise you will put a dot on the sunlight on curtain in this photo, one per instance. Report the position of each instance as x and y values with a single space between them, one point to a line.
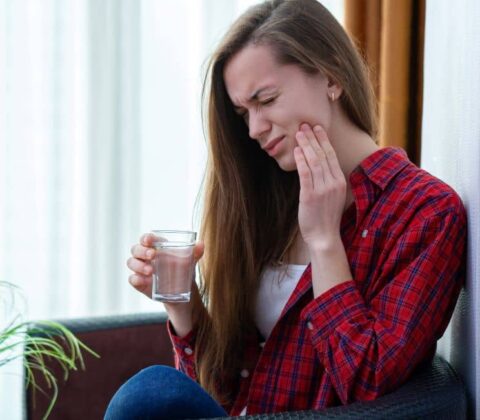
451 151
100 140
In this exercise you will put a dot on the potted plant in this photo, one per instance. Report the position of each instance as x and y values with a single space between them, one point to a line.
36 343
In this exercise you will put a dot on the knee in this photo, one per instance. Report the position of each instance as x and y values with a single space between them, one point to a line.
150 390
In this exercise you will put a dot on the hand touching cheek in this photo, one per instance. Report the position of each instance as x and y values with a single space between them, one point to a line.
323 187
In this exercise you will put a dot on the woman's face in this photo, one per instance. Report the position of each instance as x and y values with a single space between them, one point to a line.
275 99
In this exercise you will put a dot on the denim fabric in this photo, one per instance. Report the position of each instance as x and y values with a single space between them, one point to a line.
161 392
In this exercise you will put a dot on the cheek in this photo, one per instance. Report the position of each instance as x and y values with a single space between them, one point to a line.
310 110
318 112
300 108
307 99
289 119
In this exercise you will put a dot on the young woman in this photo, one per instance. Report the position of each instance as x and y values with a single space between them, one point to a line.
331 266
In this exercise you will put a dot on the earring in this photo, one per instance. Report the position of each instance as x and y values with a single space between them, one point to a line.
332 96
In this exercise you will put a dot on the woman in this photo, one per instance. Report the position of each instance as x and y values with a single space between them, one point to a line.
331 266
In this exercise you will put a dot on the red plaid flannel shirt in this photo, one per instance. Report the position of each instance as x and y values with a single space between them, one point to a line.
405 239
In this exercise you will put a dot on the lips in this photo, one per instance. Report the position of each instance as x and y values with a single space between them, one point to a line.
272 143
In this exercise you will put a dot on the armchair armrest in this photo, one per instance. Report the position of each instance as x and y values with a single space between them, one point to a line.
129 343
125 343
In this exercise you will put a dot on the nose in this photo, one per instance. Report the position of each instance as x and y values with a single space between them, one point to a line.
257 125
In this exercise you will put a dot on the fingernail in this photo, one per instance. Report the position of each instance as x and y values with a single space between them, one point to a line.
150 253
305 127
317 128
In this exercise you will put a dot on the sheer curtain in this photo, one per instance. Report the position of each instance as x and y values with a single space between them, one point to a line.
100 140
451 150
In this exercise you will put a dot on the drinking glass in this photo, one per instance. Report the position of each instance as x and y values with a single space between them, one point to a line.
173 265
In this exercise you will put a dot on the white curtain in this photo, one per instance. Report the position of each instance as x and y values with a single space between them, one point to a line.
100 140
451 151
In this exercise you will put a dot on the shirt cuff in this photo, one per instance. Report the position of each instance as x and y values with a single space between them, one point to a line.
342 304
183 348
188 340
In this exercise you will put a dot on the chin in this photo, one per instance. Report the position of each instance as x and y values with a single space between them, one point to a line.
287 164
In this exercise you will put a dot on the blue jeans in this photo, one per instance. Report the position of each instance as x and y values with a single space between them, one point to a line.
161 392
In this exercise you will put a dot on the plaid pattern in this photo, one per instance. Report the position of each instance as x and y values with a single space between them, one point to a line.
405 239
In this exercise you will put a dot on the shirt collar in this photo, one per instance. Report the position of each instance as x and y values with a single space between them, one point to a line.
381 166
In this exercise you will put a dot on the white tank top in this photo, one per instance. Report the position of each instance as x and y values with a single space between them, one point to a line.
276 286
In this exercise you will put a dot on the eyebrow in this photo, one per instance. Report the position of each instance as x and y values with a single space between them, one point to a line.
254 96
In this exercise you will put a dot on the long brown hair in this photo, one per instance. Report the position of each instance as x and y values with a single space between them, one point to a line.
251 205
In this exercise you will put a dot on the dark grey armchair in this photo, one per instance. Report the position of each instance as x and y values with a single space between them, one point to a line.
129 343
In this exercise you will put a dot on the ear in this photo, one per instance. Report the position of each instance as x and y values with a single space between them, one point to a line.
334 88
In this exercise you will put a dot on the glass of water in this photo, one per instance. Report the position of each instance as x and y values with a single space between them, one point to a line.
173 265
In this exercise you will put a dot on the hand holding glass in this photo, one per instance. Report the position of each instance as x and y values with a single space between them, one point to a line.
173 265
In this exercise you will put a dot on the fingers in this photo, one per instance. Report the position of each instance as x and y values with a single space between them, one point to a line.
141 262
142 252
139 266
319 154
149 239
198 250
137 280
313 142
329 152
141 283
304 173
314 155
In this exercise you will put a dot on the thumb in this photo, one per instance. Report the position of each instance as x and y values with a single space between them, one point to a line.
198 250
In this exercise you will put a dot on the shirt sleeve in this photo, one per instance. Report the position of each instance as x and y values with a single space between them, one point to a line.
183 349
370 347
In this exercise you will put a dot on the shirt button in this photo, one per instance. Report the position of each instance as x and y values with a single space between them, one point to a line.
309 325
244 373
262 345
364 233
188 351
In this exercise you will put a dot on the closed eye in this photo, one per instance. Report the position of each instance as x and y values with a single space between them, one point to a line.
243 113
268 101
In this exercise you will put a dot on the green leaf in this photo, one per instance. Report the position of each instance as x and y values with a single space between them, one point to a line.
37 342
